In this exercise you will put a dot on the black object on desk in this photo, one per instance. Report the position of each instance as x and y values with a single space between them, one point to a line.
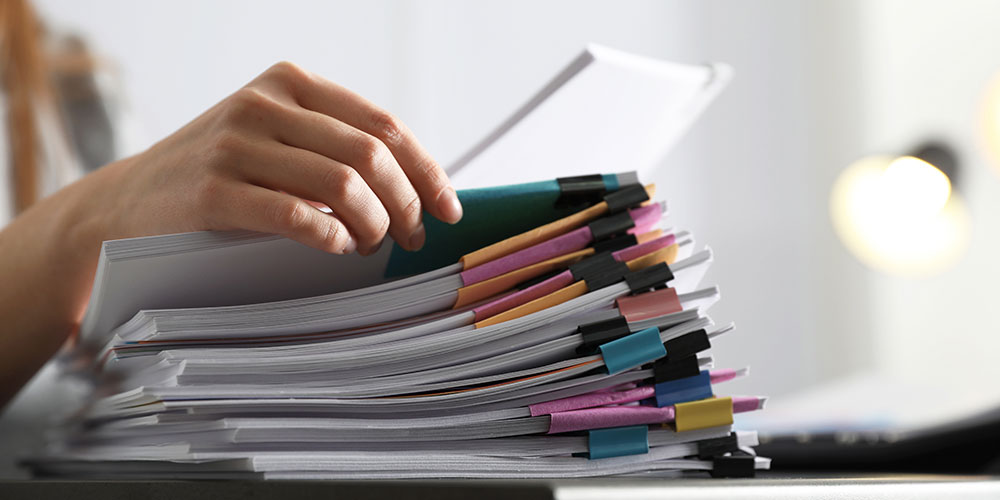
970 446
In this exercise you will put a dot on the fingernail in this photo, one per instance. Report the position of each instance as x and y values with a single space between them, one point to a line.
417 238
449 206
350 246
372 250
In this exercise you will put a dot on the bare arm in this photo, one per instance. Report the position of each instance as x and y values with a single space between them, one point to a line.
250 162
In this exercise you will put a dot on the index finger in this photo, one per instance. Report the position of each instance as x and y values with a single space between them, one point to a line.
427 177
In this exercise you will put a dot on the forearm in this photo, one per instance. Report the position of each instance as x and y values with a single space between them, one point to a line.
250 162
47 260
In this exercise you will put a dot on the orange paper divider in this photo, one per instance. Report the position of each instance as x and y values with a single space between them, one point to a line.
553 299
537 235
648 236
667 255
485 289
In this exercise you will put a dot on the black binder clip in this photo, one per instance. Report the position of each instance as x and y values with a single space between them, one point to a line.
651 277
599 271
687 345
626 197
666 370
615 244
738 464
601 332
580 190
711 448
611 225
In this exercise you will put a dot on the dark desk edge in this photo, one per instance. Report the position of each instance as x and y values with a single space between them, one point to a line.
475 489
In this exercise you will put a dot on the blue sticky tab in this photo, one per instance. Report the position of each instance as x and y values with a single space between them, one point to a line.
683 390
618 441
633 350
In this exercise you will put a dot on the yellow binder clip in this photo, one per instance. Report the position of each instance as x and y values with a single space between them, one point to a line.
711 412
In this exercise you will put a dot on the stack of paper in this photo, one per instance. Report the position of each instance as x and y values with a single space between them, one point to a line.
559 330
577 348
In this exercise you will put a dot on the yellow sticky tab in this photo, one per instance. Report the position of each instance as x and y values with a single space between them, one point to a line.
711 412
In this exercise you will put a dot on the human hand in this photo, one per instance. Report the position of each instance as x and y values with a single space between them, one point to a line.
253 160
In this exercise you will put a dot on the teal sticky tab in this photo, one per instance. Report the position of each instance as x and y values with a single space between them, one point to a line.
610 181
633 350
489 215
618 441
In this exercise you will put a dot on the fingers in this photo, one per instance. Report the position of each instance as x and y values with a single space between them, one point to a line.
312 176
333 146
426 176
370 157
246 206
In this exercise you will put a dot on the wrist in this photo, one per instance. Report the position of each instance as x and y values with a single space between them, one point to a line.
83 215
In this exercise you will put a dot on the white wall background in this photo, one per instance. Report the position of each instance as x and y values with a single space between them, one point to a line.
817 85
928 67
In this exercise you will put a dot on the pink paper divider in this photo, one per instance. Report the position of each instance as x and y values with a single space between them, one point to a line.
572 241
614 416
620 416
604 397
645 218
743 404
564 279
520 297
722 375
590 400
649 305
636 251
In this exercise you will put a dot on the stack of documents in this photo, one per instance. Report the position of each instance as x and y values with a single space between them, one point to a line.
559 330
576 348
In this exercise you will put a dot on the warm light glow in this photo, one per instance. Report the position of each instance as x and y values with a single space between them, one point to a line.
899 215
914 188
991 120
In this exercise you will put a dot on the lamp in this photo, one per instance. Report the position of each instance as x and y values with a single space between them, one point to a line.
901 214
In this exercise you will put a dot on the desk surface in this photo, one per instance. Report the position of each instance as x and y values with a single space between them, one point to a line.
827 487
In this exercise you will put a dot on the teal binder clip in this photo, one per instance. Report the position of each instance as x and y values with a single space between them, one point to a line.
633 350
618 441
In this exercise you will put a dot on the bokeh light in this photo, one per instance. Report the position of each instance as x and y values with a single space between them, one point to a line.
900 216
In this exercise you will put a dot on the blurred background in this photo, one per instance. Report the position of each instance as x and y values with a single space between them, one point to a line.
818 86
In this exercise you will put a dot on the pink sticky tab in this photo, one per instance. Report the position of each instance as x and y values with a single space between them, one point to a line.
560 245
645 218
602 418
649 305
521 297
743 404
592 399
635 251
722 375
